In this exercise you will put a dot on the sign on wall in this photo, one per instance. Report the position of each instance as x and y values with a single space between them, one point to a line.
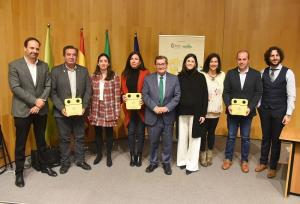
176 47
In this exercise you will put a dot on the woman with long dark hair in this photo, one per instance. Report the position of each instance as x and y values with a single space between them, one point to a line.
105 105
132 81
214 79
191 110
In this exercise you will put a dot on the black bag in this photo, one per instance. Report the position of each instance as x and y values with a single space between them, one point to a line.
53 157
47 157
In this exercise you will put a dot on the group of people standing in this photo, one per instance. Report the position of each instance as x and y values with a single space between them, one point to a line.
192 98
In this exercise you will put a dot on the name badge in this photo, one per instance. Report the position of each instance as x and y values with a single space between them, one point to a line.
239 106
73 106
133 101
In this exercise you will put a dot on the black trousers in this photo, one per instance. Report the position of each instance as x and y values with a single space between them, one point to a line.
209 138
271 126
22 129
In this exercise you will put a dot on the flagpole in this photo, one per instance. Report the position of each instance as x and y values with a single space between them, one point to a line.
136 47
51 132
107 45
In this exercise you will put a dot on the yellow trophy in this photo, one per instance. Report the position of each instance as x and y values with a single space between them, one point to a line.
133 101
239 106
73 106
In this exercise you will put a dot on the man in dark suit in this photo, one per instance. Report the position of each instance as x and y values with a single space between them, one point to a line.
245 83
70 80
276 107
161 94
30 83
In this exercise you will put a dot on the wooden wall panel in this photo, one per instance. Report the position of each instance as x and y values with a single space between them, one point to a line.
228 26
256 25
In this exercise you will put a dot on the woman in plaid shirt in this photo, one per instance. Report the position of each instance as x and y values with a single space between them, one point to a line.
105 105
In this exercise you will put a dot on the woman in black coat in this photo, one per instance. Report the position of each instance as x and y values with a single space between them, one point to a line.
192 109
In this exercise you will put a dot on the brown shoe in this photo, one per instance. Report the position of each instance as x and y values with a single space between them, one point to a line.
271 173
260 168
226 164
244 167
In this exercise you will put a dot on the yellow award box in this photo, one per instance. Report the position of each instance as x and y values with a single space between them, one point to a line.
73 106
133 101
239 106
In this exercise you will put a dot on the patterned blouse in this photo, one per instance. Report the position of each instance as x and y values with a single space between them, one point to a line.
215 90
105 112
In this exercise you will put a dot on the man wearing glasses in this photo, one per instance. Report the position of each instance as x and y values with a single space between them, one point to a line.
161 94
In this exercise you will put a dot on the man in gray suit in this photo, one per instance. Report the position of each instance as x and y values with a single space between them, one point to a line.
161 94
70 80
30 84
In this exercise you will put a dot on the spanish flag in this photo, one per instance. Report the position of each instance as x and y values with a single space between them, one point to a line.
81 54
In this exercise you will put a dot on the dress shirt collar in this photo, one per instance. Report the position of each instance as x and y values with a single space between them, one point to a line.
278 67
245 72
71 69
164 76
28 62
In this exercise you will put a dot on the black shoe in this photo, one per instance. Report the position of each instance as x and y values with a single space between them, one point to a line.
182 167
187 172
64 169
20 180
84 165
167 169
151 168
138 161
97 159
132 160
49 171
108 162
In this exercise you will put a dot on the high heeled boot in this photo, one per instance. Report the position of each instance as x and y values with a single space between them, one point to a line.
203 161
98 141
109 144
209 157
108 159
132 159
139 158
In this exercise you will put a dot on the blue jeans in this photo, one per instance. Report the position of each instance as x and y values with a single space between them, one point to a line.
233 123
136 134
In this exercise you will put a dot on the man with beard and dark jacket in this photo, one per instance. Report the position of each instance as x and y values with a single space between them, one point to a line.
276 107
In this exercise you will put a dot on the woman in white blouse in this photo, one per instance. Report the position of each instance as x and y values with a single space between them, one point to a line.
214 79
